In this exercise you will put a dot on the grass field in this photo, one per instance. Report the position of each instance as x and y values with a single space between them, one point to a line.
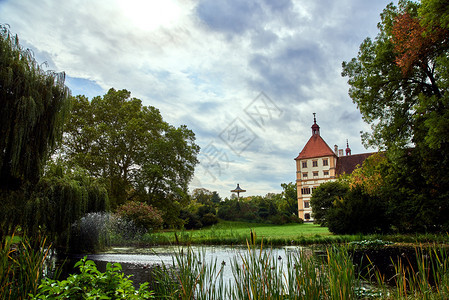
238 233
233 233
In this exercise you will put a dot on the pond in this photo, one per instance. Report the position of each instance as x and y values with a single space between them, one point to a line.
140 261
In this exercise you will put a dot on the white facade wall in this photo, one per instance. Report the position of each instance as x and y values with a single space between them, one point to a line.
309 177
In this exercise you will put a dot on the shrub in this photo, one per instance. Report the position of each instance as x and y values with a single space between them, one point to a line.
191 220
92 284
209 219
142 214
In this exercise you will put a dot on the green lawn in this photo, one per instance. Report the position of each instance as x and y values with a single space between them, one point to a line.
232 233
239 233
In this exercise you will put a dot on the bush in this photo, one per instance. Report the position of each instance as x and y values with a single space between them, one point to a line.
142 214
191 220
209 219
358 212
92 284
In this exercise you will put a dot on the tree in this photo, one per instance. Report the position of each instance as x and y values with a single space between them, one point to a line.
399 76
61 197
33 106
216 199
369 175
357 212
399 82
136 153
289 204
324 197
202 195
34 102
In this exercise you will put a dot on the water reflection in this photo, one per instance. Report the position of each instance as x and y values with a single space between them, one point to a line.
139 261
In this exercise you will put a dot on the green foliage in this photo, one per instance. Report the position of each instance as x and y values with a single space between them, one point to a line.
399 82
60 199
358 212
289 202
209 219
142 214
93 284
22 265
323 198
34 103
131 148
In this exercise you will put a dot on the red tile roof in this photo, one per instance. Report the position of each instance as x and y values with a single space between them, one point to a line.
347 164
315 147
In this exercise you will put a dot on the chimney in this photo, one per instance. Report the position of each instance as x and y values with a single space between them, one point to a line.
336 149
340 152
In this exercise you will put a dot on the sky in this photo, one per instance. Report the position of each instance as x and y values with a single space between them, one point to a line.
244 76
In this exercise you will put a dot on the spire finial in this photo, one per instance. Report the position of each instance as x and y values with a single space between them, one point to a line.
348 150
315 127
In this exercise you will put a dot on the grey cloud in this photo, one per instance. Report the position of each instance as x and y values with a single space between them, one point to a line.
234 16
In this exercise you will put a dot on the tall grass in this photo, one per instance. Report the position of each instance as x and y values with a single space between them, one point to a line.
258 274
22 266
302 274
428 278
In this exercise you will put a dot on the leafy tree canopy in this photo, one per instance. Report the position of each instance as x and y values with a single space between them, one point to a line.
33 103
400 83
129 145
324 197
399 80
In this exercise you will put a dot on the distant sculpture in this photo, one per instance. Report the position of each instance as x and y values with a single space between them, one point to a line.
238 190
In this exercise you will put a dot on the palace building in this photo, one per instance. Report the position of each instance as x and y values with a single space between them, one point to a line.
318 163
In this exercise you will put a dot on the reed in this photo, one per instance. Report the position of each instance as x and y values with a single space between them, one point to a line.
428 278
22 266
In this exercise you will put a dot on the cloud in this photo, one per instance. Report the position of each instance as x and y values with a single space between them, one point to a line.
202 62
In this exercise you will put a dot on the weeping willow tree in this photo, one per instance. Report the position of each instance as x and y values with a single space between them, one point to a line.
34 102
59 199
33 106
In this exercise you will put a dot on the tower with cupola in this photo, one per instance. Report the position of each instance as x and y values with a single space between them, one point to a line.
318 163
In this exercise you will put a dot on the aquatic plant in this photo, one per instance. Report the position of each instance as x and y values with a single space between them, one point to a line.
93 284
22 265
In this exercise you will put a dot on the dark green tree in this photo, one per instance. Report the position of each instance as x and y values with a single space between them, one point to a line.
289 202
61 197
202 195
33 106
129 146
357 212
215 198
324 197
399 82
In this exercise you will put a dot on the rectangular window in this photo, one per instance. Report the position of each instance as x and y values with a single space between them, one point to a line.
326 173
305 191
325 162
304 175
304 164
315 163
315 174
306 204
